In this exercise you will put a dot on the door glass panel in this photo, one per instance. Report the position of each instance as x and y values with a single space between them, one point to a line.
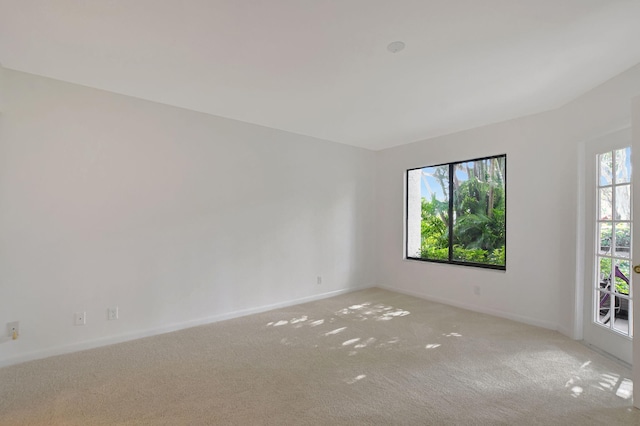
604 271
621 277
623 165
621 315
605 204
606 169
603 307
623 202
604 236
623 239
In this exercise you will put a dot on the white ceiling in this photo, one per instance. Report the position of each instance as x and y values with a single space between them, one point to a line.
321 67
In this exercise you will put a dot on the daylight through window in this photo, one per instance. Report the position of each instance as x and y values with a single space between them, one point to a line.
456 213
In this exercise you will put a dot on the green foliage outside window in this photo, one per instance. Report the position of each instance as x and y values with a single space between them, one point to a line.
605 274
479 220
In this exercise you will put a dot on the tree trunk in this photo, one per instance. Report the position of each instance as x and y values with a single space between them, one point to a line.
491 185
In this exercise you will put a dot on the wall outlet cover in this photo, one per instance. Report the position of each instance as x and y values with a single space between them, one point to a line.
112 313
80 318
13 327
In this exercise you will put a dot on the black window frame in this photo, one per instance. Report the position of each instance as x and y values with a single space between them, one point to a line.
450 260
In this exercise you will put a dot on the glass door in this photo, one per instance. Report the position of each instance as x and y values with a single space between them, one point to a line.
612 290
636 237
608 295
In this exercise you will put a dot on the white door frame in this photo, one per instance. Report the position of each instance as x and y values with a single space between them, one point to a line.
618 346
635 161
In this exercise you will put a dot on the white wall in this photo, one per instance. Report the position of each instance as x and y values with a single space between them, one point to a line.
176 217
182 218
539 285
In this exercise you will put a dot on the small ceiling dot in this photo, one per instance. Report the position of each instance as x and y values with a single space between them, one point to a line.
395 46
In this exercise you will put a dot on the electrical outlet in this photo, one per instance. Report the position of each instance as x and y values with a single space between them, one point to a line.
80 318
319 280
13 329
112 313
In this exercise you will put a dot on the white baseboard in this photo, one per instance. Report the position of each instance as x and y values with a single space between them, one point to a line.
507 315
569 333
104 341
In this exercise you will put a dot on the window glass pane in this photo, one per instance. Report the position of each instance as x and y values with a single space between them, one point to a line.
479 212
463 203
623 239
623 165
623 202
606 169
434 242
604 236
414 196
605 203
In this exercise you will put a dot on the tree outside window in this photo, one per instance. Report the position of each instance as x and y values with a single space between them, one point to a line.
456 213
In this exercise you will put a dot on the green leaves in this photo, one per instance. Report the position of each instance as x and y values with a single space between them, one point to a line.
476 232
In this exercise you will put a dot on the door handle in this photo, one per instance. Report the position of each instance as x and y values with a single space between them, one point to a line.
636 269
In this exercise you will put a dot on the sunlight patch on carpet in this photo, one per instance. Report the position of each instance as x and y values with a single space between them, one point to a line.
366 343
379 312
336 331
355 379
576 391
625 390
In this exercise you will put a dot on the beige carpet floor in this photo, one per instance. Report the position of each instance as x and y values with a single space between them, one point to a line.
371 357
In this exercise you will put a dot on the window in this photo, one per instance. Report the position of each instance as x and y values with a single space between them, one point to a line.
456 213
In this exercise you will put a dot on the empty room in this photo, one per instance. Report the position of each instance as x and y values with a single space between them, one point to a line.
314 212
